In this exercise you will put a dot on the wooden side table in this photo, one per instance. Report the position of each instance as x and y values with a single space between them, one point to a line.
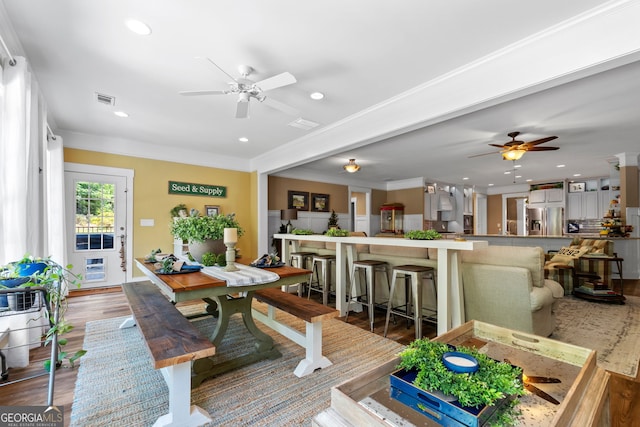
604 295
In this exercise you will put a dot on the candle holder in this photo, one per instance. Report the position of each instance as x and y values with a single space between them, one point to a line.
230 240
231 257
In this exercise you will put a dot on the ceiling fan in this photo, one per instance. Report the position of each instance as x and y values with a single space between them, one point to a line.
247 89
514 149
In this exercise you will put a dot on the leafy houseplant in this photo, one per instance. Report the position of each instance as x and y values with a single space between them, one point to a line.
337 232
493 381
54 279
422 235
204 233
333 220
302 232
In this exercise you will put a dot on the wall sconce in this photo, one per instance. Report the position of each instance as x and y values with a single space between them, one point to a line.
352 167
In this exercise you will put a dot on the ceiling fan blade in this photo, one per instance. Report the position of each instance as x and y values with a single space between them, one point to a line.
270 102
242 109
218 67
542 140
276 81
203 92
497 145
543 148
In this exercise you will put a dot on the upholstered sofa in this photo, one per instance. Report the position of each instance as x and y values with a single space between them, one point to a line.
503 285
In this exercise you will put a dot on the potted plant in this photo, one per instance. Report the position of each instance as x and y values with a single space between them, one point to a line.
422 235
337 232
333 220
204 233
491 383
45 276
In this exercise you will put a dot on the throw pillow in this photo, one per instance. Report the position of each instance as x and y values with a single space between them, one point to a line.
567 255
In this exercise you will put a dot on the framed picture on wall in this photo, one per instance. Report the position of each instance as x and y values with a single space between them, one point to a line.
211 210
298 200
319 202
576 187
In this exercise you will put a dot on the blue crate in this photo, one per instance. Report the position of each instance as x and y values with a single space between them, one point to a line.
448 414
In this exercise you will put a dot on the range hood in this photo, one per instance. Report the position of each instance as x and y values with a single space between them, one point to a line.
444 202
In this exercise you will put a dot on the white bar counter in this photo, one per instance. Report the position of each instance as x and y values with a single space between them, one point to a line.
450 293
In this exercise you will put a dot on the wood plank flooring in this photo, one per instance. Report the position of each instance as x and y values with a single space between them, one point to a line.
86 306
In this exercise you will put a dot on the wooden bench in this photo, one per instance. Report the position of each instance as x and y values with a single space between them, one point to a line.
173 343
310 311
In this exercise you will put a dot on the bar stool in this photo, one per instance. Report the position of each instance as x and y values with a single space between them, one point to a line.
321 266
414 276
370 268
300 260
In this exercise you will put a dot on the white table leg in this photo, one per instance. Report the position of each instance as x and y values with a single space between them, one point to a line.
129 322
314 358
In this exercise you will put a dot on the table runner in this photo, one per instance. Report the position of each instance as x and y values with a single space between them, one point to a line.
243 277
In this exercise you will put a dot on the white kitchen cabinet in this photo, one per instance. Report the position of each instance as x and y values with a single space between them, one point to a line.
430 207
468 201
549 195
583 205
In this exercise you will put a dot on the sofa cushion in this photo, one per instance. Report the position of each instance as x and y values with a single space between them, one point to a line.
531 258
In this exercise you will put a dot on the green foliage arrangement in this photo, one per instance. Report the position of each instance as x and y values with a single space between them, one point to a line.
56 280
333 219
422 235
493 381
197 229
337 232
221 260
175 211
208 259
302 232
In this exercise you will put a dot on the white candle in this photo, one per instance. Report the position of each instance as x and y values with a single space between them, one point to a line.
460 361
230 235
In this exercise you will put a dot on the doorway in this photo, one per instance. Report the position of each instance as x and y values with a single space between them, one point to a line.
97 225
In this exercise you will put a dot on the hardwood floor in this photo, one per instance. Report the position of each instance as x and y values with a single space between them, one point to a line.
87 306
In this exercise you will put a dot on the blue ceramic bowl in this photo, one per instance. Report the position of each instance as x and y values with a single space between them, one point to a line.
460 363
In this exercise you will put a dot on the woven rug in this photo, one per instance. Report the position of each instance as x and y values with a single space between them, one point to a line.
117 385
612 330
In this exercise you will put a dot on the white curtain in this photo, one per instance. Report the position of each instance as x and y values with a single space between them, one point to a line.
30 171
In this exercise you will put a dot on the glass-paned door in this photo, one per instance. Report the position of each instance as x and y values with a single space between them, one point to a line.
96 228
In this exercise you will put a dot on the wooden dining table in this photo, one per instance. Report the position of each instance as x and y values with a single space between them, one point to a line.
223 301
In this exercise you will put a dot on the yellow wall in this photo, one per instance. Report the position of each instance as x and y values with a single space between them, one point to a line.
151 199
411 198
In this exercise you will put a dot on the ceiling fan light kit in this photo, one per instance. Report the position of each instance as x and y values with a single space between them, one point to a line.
513 154
351 167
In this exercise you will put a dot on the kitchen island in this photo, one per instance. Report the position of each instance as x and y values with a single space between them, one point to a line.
627 248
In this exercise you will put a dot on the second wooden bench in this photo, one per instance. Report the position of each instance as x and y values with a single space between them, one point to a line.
311 312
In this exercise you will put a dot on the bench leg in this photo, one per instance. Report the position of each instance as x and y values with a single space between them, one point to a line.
314 358
181 412
129 322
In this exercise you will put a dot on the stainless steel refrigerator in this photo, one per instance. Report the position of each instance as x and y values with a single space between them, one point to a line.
545 221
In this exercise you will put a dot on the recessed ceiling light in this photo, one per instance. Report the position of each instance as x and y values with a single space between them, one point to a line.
120 114
518 176
138 27
560 166
465 178
317 95
528 180
490 185
577 174
517 166
243 139
507 172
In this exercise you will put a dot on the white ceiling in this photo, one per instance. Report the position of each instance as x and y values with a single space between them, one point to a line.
409 88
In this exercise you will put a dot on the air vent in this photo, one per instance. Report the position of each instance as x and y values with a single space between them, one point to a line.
105 99
303 124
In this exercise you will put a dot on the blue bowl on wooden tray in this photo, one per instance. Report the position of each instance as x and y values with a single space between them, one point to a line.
460 363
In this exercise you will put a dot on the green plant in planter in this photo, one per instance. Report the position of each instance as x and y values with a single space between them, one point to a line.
422 235
209 259
337 232
56 280
302 232
197 229
333 220
493 381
